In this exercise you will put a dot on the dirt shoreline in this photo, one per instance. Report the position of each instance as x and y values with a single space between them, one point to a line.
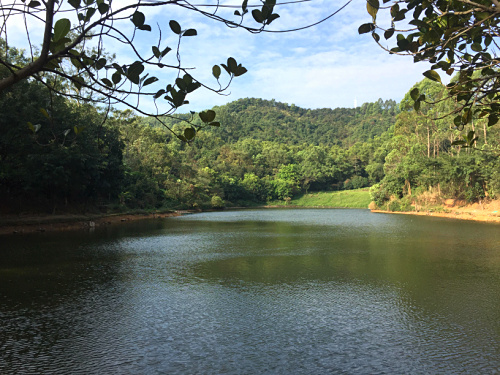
488 212
33 224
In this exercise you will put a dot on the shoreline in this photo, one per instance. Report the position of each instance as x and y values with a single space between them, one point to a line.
48 223
456 215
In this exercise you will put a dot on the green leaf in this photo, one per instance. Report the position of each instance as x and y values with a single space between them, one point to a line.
101 63
189 133
187 79
467 116
159 93
190 32
103 8
34 128
193 86
165 51
214 123
403 44
89 14
33 4
257 16
389 33
207 116
216 71
78 82
76 63
145 28
240 70
226 68
181 84
492 120
78 129
372 7
394 10
138 18
366 28
414 94
272 17
432 75
75 3
61 29
107 82
156 51
150 80
476 47
116 77
175 27
44 112
134 71
232 65
376 37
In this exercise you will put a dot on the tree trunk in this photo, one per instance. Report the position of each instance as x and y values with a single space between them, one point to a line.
428 142
484 130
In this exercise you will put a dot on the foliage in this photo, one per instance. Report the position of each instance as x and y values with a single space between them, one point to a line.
418 158
217 202
55 164
289 124
457 37
128 161
72 59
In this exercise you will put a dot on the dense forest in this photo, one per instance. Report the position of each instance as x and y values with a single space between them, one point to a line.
61 155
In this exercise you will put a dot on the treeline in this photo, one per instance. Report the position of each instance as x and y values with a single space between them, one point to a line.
288 124
211 170
58 154
421 165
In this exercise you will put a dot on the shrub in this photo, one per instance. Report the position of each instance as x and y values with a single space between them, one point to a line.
217 202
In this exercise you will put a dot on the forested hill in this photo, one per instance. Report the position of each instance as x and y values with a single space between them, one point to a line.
271 120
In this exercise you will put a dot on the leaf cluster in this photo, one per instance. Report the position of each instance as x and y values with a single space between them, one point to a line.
458 37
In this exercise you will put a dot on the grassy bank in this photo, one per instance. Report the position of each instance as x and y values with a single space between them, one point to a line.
359 198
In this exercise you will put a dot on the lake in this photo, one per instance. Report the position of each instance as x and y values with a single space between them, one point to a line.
285 291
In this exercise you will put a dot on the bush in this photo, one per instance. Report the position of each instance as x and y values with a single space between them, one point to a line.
405 204
217 202
394 205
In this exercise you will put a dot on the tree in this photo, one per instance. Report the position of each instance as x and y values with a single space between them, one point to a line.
457 37
72 60
52 166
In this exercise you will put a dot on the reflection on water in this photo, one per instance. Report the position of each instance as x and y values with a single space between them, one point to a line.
273 291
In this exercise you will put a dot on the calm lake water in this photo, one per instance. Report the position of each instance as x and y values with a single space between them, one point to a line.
252 292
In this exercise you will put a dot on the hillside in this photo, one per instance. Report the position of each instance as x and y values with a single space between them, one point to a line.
268 120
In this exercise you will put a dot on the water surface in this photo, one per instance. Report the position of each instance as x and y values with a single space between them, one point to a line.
256 291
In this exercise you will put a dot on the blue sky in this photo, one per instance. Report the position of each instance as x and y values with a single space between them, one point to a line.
326 66
329 65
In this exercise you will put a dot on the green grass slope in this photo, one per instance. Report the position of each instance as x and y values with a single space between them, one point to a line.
359 198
